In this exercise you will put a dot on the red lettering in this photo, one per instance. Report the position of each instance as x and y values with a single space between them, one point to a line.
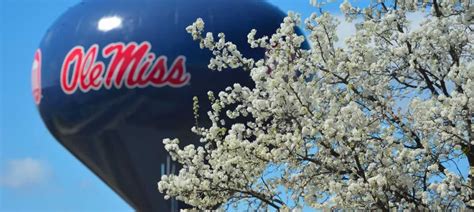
139 77
178 75
131 65
74 56
91 70
123 60
158 73
36 77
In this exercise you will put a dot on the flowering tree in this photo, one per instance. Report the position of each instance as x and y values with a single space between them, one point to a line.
380 123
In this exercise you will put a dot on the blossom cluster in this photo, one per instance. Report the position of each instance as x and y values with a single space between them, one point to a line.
380 123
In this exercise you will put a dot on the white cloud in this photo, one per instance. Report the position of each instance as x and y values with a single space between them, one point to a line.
24 172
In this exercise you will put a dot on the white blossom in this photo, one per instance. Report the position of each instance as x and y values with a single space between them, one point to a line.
374 124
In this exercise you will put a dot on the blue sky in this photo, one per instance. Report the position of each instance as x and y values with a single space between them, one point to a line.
36 172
